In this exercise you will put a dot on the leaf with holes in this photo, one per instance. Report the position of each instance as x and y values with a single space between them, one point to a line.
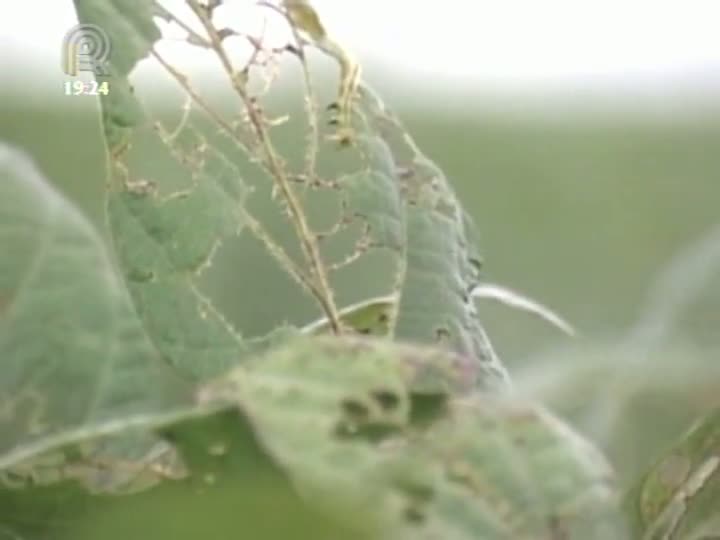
400 432
370 318
227 485
678 498
166 228
441 263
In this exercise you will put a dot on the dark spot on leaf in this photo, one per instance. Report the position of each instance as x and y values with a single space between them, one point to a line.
460 473
387 399
442 334
475 263
519 440
355 410
140 276
169 435
294 50
557 529
414 515
383 318
365 331
427 408
16 479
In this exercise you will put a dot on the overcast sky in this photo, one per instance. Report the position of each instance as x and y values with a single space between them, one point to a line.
500 43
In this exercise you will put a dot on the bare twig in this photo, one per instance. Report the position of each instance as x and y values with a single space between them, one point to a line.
254 225
279 174
312 107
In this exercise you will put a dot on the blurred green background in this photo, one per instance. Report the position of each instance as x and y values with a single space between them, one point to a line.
578 207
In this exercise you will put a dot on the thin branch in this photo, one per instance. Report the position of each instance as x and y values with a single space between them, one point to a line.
181 79
312 108
304 233
279 254
192 36
275 249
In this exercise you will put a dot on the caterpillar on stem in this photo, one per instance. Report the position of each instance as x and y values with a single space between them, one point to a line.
304 17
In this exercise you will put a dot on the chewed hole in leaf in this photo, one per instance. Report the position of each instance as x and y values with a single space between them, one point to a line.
442 335
387 399
140 276
373 418
355 410
418 492
519 440
557 528
460 473
414 515
427 408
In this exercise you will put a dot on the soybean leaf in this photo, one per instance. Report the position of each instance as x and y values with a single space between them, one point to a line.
72 350
400 432
228 488
441 263
330 437
371 317
678 497
131 32
166 225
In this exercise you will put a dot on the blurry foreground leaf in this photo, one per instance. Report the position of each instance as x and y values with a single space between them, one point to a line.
400 432
72 351
679 498
230 489
329 438
637 394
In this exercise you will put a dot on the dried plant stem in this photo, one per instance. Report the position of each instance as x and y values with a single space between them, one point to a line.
304 233
312 112
181 79
312 108
275 249
280 255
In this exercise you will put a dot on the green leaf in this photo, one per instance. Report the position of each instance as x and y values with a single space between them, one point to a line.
229 488
72 351
331 438
371 318
163 244
398 431
166 225
678 498
441 263
131 31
